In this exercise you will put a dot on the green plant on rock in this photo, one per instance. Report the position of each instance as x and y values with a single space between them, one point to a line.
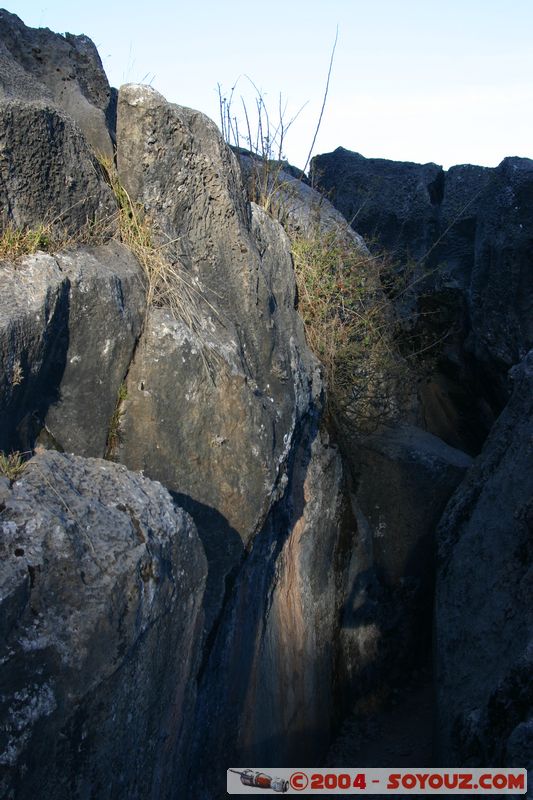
351 328
17 242
12 465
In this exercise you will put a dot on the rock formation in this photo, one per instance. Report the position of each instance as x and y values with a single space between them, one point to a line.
483 612
102 582
235 389
69 323
469 231
38 65
199 564
217 396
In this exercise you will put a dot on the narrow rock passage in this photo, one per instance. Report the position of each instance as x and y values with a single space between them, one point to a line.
401 735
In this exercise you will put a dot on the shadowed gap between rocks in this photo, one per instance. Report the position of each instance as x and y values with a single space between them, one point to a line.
225 553
398 681
399 672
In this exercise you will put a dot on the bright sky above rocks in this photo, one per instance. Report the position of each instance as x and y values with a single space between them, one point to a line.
416 80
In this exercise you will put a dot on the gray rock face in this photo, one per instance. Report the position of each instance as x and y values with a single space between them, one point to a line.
47 173
213 439
36 64
483 603
394 202
474 225
31 343
68 327
101 582
406 477
485 253
501 290
403 478
462 199
212 407
267 693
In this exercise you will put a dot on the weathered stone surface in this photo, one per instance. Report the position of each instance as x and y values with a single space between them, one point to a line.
37 64
483 602
393 201
101 582
212 438
68 328
213 406
501 289
291 701
472 228
405 478
48 175
402 480
267 693
462 199
33 324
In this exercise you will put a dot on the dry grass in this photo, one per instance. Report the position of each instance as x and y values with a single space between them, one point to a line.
12 465
351 327
166 284
16 242
50 237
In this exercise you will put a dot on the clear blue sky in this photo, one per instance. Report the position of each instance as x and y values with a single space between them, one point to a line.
449 81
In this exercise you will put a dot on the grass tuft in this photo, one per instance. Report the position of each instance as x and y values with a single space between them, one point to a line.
166 284
16 242
50 237
12 465
351 327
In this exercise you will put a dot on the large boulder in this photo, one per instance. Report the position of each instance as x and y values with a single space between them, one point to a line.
37 64
393 202
483 612
217 394
101 584
68 327
48 174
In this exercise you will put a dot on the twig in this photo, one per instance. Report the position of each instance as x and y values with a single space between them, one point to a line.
323 103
